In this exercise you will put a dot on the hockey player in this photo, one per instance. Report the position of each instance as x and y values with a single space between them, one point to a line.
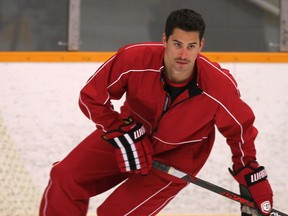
174 98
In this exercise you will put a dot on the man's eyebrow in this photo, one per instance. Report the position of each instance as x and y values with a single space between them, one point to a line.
175 40
193 43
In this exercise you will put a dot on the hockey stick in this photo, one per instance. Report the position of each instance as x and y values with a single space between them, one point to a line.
211 187
226 193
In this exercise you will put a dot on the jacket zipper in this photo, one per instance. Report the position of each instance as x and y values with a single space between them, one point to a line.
165 109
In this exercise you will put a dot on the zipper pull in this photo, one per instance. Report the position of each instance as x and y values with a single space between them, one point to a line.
165 109
166 104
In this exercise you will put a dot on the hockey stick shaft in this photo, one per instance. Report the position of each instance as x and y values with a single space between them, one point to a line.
216 189
211 187
226 193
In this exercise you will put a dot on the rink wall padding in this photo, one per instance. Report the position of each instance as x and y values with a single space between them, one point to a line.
73 56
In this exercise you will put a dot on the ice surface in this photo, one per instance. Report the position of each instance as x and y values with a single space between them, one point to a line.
39 104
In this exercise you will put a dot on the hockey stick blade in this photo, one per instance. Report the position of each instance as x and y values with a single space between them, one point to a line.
226 193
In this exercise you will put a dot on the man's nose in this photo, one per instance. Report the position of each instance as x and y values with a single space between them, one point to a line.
183 53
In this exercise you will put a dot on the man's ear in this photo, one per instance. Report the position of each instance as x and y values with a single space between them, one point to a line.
164 39
202 43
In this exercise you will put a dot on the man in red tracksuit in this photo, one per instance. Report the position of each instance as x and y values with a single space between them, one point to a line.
174 98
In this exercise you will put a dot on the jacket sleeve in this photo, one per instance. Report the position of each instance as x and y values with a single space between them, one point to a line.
108 82
235 121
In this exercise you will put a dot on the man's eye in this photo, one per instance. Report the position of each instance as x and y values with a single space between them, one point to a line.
191 46
178 45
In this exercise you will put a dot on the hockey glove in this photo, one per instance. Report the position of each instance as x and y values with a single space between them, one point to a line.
254 186
133 148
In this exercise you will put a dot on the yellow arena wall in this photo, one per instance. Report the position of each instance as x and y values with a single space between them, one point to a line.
264 57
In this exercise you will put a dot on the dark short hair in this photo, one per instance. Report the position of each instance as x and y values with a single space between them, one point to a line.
185 19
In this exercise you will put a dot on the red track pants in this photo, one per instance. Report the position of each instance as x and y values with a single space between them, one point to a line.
91 169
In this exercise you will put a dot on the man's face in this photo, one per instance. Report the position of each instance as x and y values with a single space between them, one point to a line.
181 50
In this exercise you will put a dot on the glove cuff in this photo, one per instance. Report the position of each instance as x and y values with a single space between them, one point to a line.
250 174
258 175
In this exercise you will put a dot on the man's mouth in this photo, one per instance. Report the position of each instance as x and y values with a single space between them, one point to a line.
181 61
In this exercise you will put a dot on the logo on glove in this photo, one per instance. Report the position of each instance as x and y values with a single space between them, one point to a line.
258 176
138 133
266 206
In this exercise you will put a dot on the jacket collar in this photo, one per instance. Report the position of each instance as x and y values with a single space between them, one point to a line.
193 88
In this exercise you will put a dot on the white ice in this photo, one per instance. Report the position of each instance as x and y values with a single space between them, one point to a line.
39 104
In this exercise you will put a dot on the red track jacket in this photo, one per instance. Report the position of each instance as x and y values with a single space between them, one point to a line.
182 132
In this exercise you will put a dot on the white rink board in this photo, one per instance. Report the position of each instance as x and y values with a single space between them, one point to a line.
39 107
